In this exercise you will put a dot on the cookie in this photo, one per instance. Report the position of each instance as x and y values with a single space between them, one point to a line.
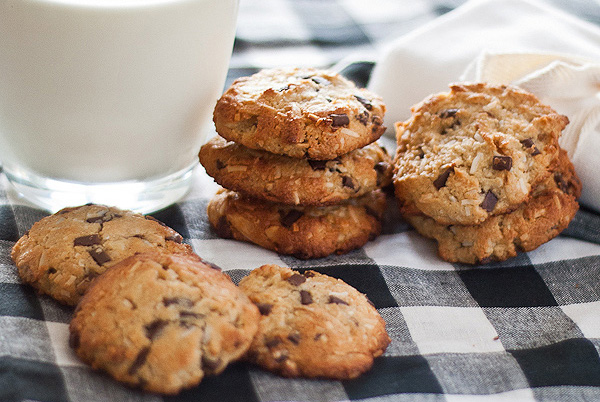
62 253
552 206
475 152
287 180
304 232
299 112
162 322
312 325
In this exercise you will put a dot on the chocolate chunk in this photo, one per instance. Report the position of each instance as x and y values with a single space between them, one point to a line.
530 145
182 301
348 182
501 162
177 238
290 217
220 164
336 300
283 356
294 338
339 120
316 164
296 279
561 183
305 297
271 343
223 229
443 178
99 255
51 271
88 240
444 114
320 80
210 364
489 201
154 329
264 308
188 314
139 361
364 101
363 118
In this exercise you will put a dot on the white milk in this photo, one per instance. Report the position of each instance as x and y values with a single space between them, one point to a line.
109 90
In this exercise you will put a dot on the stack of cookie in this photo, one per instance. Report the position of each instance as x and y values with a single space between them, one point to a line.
297 157
479 169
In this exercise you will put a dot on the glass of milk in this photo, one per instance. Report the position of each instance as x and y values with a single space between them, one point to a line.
109 101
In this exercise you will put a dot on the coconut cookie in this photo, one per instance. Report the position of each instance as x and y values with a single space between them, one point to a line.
287 180
312 325
475 152
162 322
549 211
299 112
62 253
304 232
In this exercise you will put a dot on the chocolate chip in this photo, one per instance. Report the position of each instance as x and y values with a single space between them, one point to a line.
271 343
220 164
188 314
294 338
443 178
530 145
210 364
320 80
264 308
223 229
51 271
348 182
316 164
501 162
561 183
317 336
182 301
88 240
364 101
309 274
139 361
444 114
363 118
336 300
99 255
339 120
154 329
290 217
177 238
489 201
296 279
305 297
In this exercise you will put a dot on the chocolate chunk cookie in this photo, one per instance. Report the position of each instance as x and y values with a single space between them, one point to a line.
312 325
162 322
63 252
304 232
475 152
549 211
300 112
287 180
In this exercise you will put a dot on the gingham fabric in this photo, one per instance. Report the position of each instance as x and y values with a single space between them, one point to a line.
524 329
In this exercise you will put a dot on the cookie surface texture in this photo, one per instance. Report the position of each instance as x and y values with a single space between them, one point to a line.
549 211
312 325
162 322
62 253
300 112
287 180
303 232
475 152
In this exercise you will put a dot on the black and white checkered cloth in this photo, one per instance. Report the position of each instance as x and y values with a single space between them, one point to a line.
524 329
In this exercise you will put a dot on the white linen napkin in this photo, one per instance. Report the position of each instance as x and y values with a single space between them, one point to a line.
521 42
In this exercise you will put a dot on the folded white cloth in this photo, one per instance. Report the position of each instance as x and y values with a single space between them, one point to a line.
521 42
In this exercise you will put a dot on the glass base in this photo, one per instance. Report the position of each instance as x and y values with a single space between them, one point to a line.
143 197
